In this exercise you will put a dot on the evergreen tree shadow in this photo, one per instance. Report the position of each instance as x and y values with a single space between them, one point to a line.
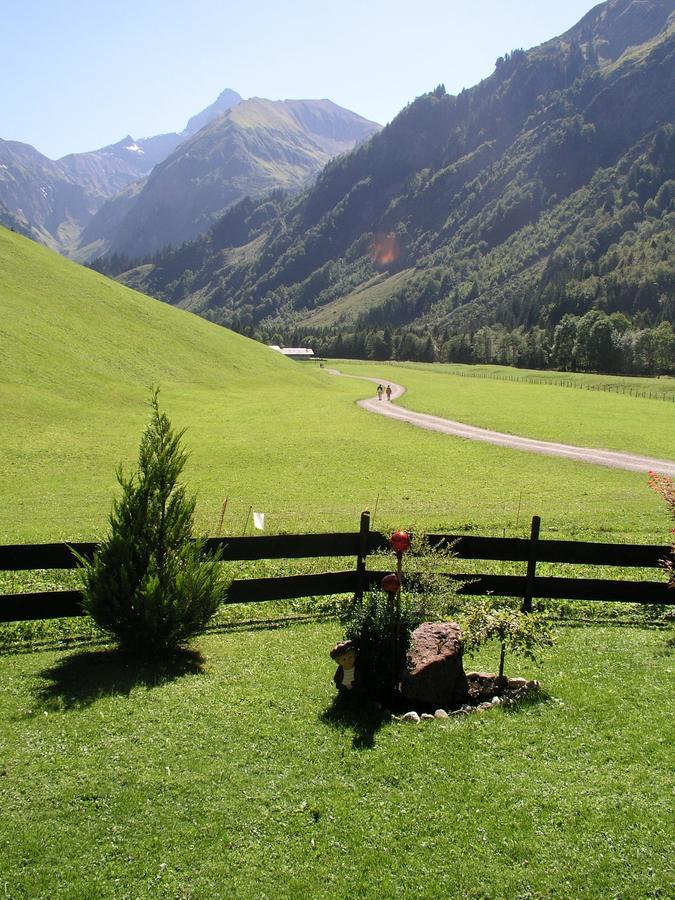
80 679
363 717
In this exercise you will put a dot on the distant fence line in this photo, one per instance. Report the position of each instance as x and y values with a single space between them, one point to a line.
361 544
561 382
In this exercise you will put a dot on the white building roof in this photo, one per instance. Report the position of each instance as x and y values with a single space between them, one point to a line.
293 351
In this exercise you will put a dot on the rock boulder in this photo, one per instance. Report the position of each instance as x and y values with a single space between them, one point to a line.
434 674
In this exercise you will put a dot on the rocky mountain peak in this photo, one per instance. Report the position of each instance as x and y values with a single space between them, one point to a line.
226 100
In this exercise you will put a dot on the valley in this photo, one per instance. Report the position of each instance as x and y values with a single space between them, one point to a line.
526 221
79 353
501 253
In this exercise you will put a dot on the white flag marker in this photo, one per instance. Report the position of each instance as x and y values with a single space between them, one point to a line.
259 521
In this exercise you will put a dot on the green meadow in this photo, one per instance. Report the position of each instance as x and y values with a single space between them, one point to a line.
588 418
231 774
228 772
79 352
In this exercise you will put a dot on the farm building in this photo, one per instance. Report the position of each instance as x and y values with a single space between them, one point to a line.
294 352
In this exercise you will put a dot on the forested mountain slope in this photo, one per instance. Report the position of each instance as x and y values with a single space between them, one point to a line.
476 226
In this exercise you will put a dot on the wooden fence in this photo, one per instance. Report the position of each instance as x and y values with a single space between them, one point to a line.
530 586
578 385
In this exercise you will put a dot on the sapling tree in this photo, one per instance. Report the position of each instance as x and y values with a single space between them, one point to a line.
518 632
150 584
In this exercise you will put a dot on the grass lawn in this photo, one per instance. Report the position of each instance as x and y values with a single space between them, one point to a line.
229 776
78 353
311 460
611 421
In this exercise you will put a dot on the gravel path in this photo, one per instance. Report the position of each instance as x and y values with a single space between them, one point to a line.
631 461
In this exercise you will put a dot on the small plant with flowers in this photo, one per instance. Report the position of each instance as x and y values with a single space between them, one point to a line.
380 623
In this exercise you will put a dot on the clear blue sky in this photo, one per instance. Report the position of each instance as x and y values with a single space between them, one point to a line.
80 74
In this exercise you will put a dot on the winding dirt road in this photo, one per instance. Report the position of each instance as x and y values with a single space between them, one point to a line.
631 461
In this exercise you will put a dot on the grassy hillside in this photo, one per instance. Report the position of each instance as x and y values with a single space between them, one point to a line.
78 352
66 327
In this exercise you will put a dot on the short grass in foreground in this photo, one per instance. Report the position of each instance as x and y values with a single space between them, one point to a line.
232 777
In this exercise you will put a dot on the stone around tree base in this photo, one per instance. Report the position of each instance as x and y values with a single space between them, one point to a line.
486 687
486 691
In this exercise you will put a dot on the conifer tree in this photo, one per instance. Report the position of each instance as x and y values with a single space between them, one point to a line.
150 584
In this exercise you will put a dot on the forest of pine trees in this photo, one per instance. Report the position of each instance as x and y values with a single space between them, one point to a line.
594 342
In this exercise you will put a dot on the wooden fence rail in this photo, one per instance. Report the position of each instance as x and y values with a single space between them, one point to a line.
361 544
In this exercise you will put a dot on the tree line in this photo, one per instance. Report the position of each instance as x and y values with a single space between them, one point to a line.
594 342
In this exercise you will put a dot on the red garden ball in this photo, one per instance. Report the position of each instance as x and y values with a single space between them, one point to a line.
400 541
390 584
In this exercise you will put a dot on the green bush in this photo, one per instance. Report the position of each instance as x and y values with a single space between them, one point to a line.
380 627
150 584
381 637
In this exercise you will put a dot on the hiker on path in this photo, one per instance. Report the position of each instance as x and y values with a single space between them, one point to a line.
380 391
388 392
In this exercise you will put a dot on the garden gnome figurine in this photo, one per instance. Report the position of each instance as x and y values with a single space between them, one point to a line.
344 655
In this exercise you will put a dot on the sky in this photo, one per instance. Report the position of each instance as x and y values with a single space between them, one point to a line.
81 74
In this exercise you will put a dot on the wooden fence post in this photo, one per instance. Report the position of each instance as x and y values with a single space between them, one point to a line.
531 565
364 532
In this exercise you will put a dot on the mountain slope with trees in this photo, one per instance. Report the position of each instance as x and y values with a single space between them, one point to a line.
528 220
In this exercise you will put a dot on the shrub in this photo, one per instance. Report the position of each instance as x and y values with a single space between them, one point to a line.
381 634
380 626
521 633
150 584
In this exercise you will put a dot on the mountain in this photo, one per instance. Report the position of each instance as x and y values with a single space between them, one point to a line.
226 100
56 199
38 192
543 196
253 147
13 221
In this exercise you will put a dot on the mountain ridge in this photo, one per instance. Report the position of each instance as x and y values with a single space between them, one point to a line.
544 191
253 147
56 199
